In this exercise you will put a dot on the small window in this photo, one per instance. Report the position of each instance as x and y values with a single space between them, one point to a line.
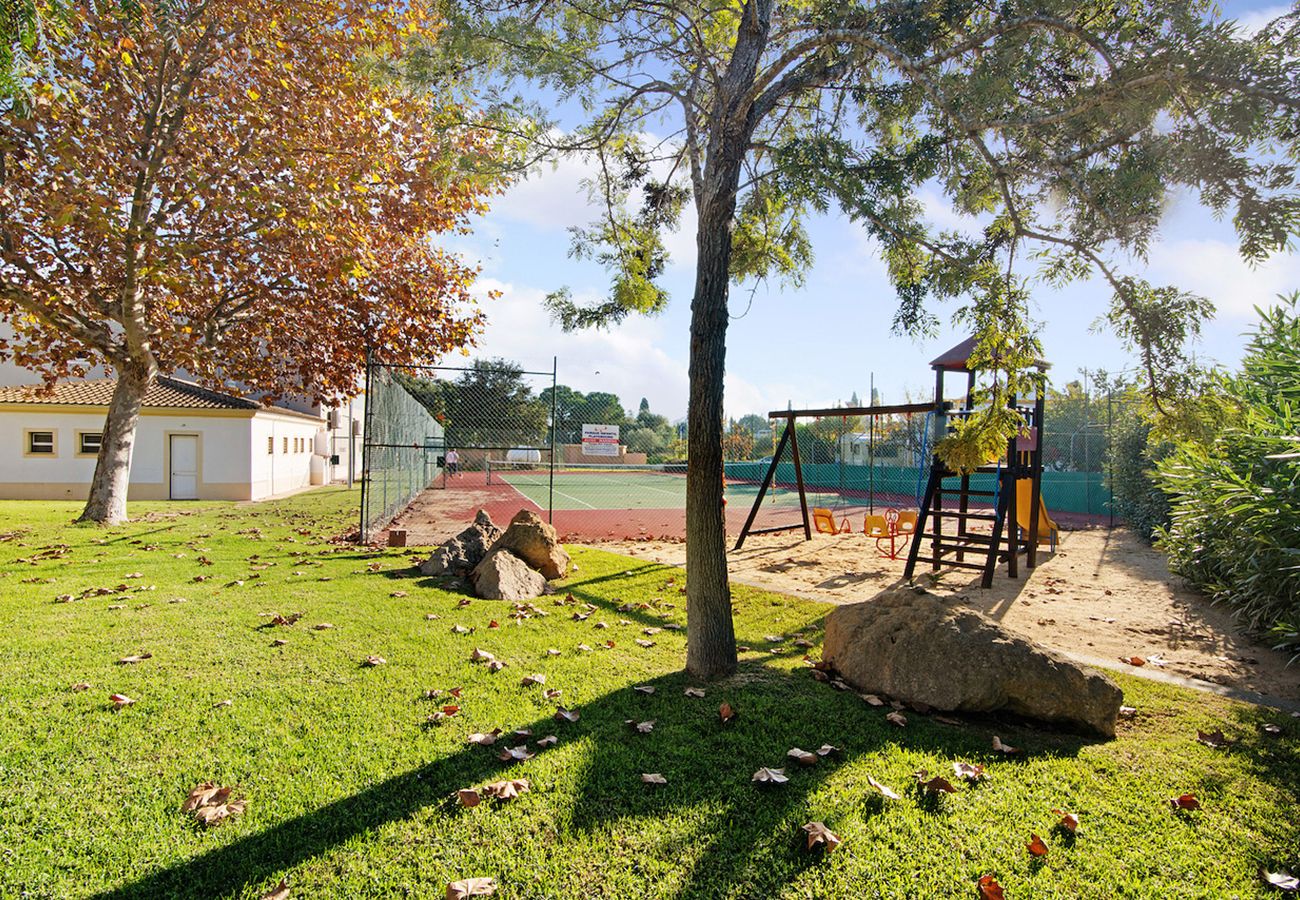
270 445
286 445
40 442
89 442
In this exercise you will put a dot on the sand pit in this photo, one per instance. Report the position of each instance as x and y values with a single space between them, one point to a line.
1102 596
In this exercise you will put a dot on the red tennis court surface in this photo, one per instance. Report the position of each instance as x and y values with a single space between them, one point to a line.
440 513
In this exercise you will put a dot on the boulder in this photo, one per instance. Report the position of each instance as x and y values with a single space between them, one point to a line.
908 645
503 576
466 550
535 542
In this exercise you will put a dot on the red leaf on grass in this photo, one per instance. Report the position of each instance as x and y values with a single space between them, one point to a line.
1069 820
1036 846
989 889
1185 801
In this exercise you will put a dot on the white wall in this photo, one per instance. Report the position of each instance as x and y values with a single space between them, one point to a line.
275 469
224 455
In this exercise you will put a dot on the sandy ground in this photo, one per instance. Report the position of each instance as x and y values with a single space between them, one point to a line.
1102 596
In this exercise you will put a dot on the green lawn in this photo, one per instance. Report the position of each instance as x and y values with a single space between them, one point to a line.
348 785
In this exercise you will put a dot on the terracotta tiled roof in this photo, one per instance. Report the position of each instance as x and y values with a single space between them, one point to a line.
165 392
956 358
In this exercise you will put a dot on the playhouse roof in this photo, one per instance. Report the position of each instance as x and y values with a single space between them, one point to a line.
955 358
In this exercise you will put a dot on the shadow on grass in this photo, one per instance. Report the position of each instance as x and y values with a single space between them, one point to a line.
748 837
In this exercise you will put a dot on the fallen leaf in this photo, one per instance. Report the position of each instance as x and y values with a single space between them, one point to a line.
468 797
211 804
552 693
80 686
694 692
1270 728
322 626
1003 748
829 750
726 713
471 887
478 654
1069 821
642 642
897 718
120 700
494 624
1185 801
653 778
968 772
641 727
398 594
279 642
549 741
495 665
584 648
567 715
463 602
1127 712
515 754
279 892
1213 739
1133 660
374 661
933 785
223 703
769 776
644 688
460 629
1036 846
1283 881
484 738
872 699
819 834
989 889
132 660
885 791
803 757
552 652
530 680
506 790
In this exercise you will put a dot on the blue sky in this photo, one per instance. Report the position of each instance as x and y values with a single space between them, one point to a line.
824 341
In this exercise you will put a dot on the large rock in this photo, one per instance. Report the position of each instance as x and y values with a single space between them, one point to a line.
503 576
535 542
908 645
466 550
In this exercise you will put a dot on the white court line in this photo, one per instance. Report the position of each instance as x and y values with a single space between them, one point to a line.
557 490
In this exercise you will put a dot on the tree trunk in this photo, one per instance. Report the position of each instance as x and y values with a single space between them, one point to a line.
107 502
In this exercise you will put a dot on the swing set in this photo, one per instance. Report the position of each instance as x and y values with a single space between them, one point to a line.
1007 492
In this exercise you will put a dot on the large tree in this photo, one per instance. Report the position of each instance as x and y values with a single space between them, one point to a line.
1065 125
231 189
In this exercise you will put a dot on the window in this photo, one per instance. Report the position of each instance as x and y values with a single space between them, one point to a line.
270 445
89 442
40 443
286 445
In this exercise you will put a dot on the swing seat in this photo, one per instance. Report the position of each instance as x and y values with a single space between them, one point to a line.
824 522
907 522
874 526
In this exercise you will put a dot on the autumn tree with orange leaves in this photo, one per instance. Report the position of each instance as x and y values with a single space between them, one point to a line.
226 187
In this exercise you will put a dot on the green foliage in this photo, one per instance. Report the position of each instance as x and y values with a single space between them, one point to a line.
1234 528
1132 459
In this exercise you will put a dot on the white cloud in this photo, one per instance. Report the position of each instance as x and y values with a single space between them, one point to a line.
1215 269
551 198
1251 22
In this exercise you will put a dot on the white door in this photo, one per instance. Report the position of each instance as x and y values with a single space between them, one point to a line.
185 466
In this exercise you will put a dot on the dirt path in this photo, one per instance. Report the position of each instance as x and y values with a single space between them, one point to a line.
1104 594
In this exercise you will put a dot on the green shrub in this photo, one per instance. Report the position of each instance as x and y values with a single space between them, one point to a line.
1234 527
1133 456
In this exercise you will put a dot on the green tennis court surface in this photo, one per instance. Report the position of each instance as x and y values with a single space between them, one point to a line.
622 490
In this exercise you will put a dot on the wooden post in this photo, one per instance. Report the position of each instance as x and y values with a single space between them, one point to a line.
798 478
767 483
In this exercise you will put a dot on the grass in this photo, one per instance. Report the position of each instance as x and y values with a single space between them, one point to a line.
348 787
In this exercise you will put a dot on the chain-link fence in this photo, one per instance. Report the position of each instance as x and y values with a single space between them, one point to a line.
402 448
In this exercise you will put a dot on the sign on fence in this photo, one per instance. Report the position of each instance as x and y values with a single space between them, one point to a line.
600 440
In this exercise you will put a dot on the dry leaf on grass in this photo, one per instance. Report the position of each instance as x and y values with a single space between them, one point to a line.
372 660
484 739
1069 821
694 692
552 693
120 700
467 797
566 715
80 686
726 713
530 680
989 889
819 835
471 887
935 785
279 892
968 772
1185 802
1213 739
644 689
505 790
1133 660
1003 748
549 741
211 804
478 654
1283 881
886 792
322 626
872 699
829 750
515 754
769 776
1036 846
641 727
897 718
132 660
803 757
653 778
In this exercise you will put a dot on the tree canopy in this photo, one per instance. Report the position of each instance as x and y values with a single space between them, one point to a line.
229 189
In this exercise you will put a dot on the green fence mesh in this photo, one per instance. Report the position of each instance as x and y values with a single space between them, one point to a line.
402 450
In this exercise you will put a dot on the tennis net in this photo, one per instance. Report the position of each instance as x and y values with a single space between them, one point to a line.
514 472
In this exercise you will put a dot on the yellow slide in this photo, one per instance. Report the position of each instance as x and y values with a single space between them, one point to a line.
1047 530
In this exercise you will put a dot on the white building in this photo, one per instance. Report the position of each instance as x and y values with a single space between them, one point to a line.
191 444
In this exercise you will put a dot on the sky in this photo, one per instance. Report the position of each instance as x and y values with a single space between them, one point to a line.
831 337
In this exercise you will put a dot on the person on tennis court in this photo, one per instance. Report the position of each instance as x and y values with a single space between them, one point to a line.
453 462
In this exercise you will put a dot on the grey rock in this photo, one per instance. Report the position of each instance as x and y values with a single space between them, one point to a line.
503 576
535 542
908 645
466 550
